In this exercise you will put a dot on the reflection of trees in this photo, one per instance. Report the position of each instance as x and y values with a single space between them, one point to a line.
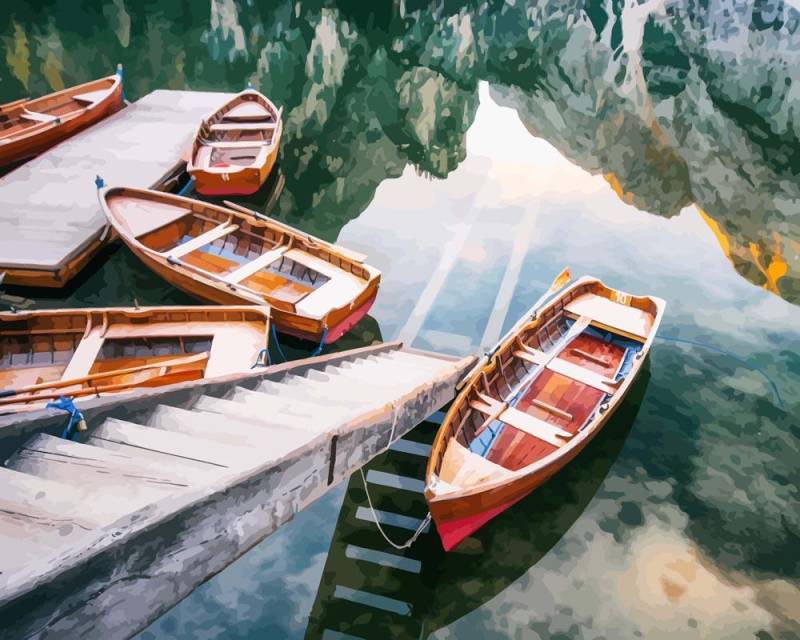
703 111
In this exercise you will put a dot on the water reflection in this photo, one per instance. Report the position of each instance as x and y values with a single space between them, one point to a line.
659 98
551 139
444 587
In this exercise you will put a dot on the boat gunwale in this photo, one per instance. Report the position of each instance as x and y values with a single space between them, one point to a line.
36 129
590 429
332 318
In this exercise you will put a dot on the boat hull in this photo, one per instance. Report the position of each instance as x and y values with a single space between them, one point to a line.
237 182
540 368
461 516
285 321
28 146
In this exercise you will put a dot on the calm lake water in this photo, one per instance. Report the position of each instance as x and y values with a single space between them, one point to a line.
472 153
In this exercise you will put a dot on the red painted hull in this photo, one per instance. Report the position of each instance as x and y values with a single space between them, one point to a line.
452 532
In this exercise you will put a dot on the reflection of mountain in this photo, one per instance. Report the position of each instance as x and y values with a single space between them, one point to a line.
673 102
451 585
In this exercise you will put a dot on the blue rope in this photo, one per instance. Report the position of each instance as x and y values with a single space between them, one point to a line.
122 82
185 189
278 344
733 356
318 350
262 359
75 417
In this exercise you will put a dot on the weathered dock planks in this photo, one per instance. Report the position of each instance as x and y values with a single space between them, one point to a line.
170 486
51 223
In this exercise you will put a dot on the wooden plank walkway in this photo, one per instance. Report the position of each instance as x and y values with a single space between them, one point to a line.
169 486
51 219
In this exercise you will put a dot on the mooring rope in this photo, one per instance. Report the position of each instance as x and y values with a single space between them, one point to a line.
76 420
425 522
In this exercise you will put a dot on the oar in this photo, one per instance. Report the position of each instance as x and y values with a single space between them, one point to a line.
559 282
197 357
347 253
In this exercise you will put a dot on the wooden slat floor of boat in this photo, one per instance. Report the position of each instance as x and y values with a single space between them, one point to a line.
515 449
264 282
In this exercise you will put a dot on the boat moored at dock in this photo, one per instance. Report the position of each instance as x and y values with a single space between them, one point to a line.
30 126
92 352
546 391
236 147
317 291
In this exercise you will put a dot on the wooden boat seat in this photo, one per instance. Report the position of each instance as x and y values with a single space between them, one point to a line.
568 369
535 427
254 266
91 97
341 288
462 468
200 241
247 111
39 117
142 217
244 126
619 318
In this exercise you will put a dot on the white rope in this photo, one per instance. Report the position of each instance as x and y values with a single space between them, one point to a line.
393 405
408 542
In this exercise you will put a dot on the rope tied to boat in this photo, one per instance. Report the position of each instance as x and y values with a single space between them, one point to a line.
405 545
76 420
263 359
278 344
318 350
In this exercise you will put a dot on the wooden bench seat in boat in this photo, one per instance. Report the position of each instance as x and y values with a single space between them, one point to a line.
338 291
462 468
244 126
91 97
254 266
616 317
201 241
521 421
568 370
38 117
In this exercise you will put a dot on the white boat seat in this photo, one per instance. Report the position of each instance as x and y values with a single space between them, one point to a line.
613 316
200 241
569 370
39 117
534 426
244 126
463 468
91 97
254 266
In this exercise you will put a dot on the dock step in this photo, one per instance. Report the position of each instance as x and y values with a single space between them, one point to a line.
229 457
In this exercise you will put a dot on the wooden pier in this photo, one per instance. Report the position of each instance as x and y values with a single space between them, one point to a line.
51 223
167 487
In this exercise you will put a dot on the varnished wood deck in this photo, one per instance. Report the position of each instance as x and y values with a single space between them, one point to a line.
515 449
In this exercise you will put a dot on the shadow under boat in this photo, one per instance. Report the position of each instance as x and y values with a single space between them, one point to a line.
373 600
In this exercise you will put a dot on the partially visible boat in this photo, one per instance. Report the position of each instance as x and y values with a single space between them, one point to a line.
318 291
236 146
547 390
91 352
30 126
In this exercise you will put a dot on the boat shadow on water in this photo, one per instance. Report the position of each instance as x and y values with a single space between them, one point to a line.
375 595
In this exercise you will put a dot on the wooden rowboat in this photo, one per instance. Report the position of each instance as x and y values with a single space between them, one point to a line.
28 127
91 352
317 291
235 147
548 389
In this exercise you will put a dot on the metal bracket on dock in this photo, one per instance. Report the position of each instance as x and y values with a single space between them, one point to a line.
332 464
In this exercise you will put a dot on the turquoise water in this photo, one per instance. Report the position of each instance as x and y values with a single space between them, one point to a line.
472 153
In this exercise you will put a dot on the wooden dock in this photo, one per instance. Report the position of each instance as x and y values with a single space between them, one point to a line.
51 223
167 487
